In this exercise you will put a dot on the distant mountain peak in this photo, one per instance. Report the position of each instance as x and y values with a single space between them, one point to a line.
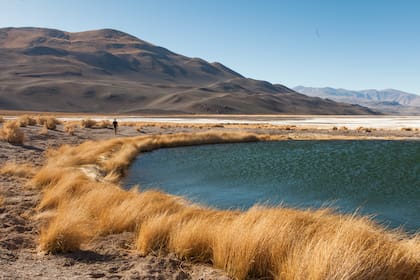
387 100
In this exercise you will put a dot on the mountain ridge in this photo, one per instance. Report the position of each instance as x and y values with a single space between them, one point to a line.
386 100
107 70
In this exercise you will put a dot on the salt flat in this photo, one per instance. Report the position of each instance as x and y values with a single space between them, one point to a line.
385 122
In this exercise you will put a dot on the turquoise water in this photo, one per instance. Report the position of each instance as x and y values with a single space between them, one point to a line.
376 177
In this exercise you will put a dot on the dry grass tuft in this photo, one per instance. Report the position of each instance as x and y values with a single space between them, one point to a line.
12 133
69 128
1 119
40 120
104 124
18 170
48 121
87 123
1 200
44 130
66 231
80 202
51 123
26 120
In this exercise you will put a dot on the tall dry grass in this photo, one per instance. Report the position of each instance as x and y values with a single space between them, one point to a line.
81 200
26 120
18 170
12 133
89 123
49 122
1 119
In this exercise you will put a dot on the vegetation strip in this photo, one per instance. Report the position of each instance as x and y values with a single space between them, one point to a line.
81 199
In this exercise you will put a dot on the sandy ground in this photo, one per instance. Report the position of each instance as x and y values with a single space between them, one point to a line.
109 257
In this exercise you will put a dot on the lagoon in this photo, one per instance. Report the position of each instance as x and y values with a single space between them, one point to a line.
378 178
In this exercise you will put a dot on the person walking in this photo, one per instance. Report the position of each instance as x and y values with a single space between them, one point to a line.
115 123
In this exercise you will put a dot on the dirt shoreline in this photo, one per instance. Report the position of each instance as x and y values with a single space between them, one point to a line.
109 257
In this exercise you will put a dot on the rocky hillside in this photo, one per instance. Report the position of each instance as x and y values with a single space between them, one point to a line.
111 71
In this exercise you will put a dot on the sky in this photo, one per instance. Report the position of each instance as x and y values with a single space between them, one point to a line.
354 44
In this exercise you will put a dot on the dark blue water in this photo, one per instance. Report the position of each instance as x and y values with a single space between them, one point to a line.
377 177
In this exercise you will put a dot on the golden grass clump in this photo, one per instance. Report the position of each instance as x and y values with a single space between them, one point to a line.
44 130
48 121
80 202
18 170
104 124
87 123
51 123
1 119
40 120
12 133
69 128
66 231
26 120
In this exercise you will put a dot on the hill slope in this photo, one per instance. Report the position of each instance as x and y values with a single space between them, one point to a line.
111 71
388 100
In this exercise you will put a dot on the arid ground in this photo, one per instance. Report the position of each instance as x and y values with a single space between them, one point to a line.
110 257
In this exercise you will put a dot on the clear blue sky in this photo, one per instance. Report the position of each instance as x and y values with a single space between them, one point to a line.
354 44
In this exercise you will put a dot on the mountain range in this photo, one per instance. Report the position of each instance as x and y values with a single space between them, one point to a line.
109 71
390 101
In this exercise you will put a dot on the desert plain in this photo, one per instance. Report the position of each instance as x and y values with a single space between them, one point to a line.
114 255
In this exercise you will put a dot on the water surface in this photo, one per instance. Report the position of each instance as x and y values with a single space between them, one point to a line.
376 177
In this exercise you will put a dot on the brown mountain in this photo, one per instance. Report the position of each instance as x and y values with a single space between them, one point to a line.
389 101
111 71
